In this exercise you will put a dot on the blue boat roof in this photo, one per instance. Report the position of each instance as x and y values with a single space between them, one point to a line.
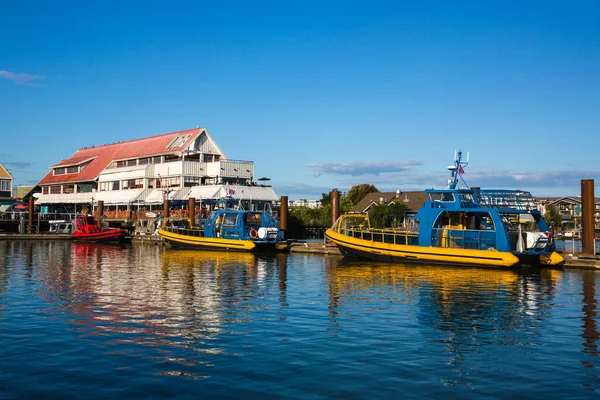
506 200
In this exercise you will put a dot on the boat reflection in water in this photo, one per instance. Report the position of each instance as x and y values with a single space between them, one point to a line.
456 311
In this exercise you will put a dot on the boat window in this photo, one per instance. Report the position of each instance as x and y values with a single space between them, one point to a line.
253 219
230 219
442 196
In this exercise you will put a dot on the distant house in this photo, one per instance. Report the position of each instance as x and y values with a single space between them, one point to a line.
569 208
140 174
6 187
413 200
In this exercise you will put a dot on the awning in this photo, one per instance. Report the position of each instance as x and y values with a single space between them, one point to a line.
204 192
157 196
254 193
66 198
118 196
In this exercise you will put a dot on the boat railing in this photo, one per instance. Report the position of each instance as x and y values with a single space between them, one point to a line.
474 239
511 199
390 236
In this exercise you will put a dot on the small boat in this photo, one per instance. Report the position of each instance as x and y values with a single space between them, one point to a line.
456 226
87 230
225 229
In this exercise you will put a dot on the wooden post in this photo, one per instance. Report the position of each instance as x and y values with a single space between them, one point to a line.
283 215
587 216
192 210
166 208
100 212
30 226
335 206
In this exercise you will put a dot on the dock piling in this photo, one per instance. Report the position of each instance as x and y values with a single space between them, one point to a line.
283 215
587 214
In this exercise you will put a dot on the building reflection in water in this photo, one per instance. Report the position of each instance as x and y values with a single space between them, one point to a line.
152 296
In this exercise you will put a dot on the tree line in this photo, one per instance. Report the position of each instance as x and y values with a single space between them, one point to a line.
380 215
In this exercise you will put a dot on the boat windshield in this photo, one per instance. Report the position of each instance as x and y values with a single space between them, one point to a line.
442 196
359 221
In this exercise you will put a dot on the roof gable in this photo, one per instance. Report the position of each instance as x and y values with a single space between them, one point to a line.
4 174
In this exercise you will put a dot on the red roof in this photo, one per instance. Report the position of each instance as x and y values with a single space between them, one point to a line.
102 156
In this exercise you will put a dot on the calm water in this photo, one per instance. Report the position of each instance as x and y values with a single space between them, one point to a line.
92 321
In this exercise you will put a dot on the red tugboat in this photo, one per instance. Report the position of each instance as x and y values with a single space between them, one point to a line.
87 230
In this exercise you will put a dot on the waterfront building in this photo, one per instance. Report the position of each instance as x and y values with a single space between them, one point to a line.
6 187
134 177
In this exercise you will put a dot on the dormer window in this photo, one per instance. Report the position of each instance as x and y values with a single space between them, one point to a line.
178 141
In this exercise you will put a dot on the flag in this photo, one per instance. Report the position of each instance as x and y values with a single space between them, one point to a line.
461 170
230 191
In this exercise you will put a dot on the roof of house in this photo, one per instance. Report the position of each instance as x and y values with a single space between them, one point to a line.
414 200
100 157
23 191
4 174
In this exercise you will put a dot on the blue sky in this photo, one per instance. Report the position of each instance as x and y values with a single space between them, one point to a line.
319 94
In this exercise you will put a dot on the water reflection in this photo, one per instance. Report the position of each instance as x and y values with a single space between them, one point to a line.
200 314
590 329
460 310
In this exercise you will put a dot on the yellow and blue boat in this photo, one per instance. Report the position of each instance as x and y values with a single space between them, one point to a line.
457 226
226 229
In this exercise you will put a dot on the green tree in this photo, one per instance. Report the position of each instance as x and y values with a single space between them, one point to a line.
553 217
387 215
358 192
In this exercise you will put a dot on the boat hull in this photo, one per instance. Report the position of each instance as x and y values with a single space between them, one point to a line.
116 235
377 251
203 243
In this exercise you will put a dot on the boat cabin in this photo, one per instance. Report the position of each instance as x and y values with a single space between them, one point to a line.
482 219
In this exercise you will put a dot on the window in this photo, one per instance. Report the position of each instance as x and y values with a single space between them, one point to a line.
115 185
55 189
189 181
168 182
442 196
45 190
131 163
59 171
85 187
133 184
230 219
67 189
157 160
72 170
253 219
120 164
5 185
144 161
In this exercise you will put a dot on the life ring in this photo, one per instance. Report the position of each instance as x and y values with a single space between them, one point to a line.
253 233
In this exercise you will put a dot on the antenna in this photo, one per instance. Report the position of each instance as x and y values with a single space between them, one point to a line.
457 170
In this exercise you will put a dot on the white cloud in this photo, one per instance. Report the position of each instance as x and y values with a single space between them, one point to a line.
21 79
361 168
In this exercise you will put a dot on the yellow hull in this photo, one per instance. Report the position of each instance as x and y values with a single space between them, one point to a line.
195 242
409 253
